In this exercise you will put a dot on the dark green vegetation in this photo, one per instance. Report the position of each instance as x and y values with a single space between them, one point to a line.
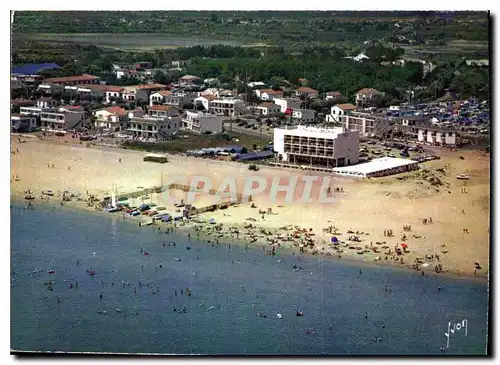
311 45
195 141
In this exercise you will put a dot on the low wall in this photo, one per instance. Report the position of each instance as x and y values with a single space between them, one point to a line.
185 188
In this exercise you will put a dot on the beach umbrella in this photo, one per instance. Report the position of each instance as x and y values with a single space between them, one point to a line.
335 239
404 245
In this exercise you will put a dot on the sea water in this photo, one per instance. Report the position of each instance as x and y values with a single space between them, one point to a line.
228 286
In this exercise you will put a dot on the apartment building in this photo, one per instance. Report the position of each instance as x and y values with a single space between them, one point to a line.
163 111
153 128
114 118
228 107
74 80
366 124
318 147
62 119
200 122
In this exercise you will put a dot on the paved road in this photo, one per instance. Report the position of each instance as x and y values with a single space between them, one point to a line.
248 131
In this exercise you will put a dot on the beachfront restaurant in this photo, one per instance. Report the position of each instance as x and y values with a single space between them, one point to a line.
378 167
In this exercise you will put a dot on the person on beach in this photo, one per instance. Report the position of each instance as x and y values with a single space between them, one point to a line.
120 160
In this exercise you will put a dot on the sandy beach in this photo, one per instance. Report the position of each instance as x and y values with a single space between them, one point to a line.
369 206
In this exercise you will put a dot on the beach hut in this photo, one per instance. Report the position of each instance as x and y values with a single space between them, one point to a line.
154 157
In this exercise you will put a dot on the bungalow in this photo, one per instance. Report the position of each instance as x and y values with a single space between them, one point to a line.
365 95
339 110
163 111
114 118
268 94
23 123
189 80
74 80
269 109
159 97
306 92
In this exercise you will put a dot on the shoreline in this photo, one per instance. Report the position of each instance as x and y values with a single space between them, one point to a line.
205 239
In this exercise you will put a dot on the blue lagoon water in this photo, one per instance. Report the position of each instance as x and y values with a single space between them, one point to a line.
228 288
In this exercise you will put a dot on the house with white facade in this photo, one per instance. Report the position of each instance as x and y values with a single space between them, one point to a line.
205 100
303 116
339 110
158 97
268 94
254 84
269 109
200 122
154 128
47 103
113 93
62 119
365 95
114 118
229 107
287 104
437 136
317 147
163 111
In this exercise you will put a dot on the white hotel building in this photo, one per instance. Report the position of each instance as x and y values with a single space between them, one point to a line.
318 147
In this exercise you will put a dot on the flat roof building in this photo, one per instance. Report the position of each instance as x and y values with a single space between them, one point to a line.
320 147
378 167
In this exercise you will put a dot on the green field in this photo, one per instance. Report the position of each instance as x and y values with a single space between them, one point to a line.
127 41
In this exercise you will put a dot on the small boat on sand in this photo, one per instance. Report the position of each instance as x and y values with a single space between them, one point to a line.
463 177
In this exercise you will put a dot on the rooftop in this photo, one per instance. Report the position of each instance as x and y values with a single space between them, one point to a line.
315 132
116 110
347 106
150 86
34 68
378 164
190 77
305 89
271 91
84 77
367 90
